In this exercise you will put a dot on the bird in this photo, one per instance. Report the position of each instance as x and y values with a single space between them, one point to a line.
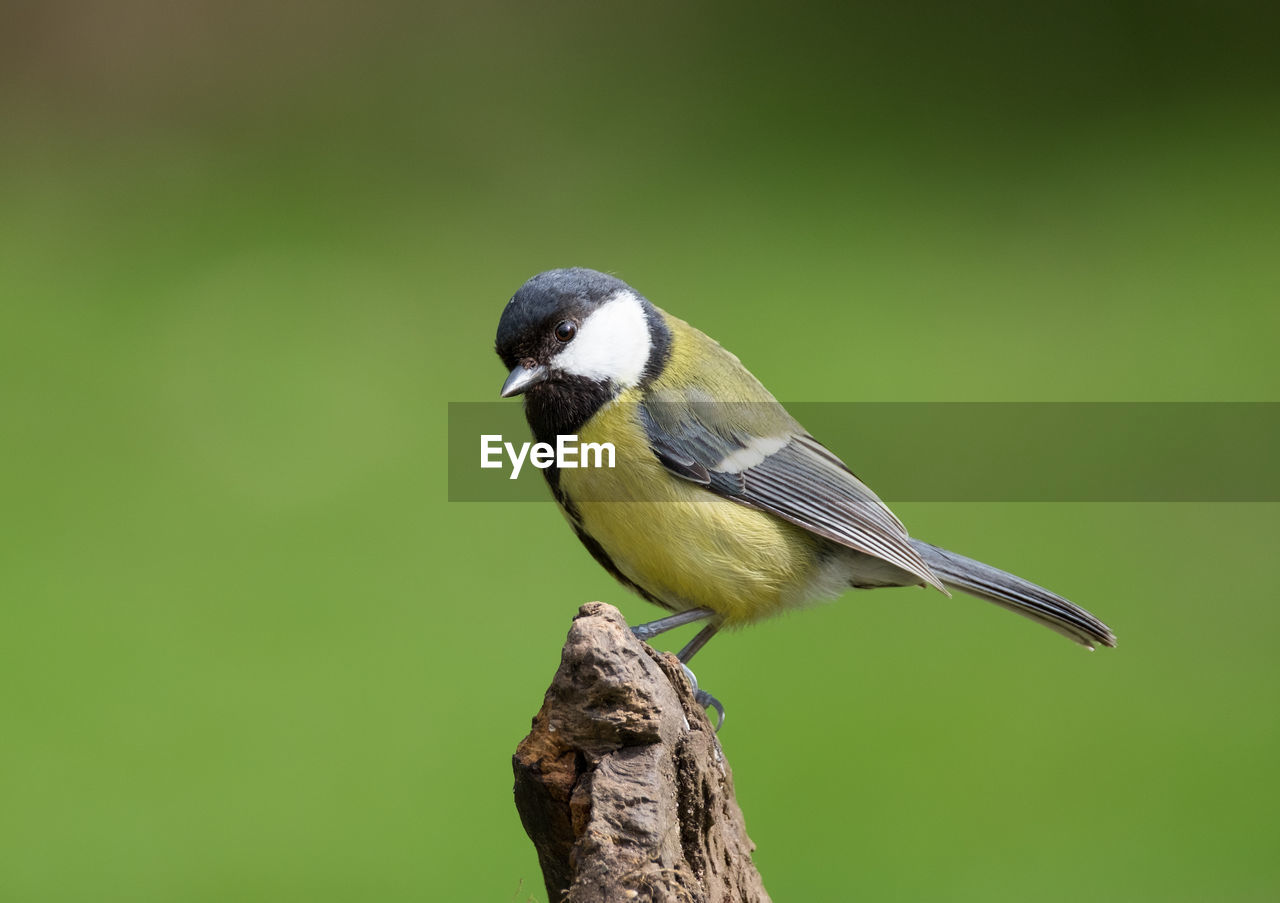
720 507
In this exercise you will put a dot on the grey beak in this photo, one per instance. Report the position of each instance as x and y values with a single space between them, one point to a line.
522 378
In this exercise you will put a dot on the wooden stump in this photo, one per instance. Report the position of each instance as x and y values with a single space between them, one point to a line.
622 785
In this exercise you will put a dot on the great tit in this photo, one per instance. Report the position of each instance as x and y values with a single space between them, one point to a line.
719 506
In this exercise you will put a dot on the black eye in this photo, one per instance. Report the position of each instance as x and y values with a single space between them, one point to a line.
566 330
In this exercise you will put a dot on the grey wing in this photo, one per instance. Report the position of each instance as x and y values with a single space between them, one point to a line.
792 476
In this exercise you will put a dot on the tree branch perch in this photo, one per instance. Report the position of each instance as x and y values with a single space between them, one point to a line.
621 783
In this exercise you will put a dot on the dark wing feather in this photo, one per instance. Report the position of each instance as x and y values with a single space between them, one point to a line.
800 481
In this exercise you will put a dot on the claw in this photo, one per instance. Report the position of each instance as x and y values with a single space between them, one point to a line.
703 698
707 701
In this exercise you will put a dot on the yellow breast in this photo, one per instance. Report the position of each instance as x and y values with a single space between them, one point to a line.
681 543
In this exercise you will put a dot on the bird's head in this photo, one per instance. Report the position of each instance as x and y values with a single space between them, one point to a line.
579 329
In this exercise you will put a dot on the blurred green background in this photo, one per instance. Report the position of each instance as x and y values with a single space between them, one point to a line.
249 252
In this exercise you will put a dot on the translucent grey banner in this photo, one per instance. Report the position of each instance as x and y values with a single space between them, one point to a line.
953 452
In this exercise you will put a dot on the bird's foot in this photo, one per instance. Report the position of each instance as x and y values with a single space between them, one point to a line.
705 699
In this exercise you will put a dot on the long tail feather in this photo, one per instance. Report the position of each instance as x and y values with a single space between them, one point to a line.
1016 594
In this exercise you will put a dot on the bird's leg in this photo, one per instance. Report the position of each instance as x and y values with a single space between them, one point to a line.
670 622
701 696
691 648
679 619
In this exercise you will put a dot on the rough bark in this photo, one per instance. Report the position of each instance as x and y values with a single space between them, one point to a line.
621 783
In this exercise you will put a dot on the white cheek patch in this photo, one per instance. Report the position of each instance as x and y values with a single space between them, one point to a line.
755 451
612 343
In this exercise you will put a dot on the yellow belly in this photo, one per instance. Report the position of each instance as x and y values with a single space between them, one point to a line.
681 543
